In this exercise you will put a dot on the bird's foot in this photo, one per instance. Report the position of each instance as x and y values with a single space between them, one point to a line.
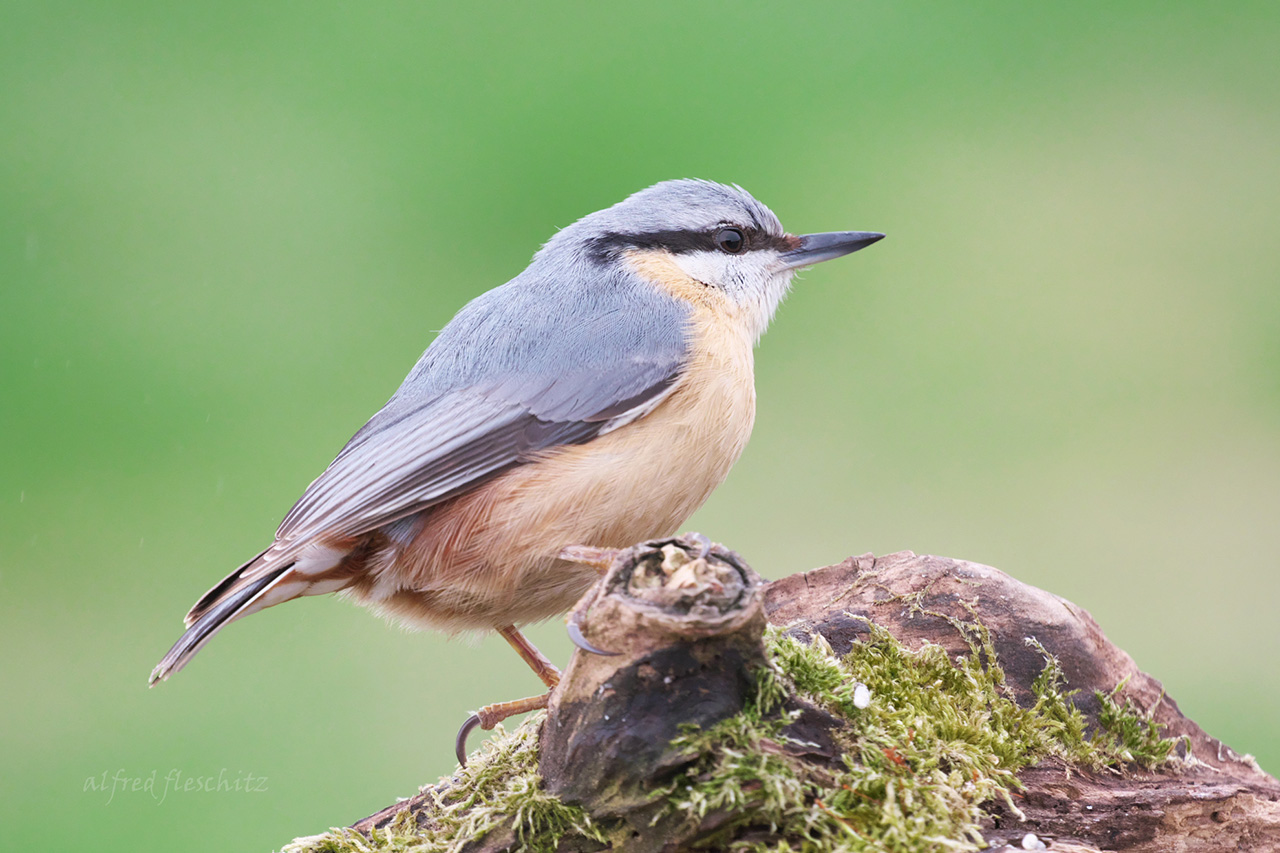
600 559
490 715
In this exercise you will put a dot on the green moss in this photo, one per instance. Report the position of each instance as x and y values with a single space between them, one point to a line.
1130 735
499 788
1123 734
940 738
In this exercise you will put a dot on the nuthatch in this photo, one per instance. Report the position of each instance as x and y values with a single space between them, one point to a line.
595 399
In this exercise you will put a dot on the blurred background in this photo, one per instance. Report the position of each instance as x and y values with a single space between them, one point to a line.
228 230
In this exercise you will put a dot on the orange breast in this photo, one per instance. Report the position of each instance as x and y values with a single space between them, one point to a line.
489 558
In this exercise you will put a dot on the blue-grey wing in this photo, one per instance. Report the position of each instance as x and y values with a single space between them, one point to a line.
515 373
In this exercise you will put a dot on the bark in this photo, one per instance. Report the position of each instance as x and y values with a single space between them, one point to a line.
1223 801
686 638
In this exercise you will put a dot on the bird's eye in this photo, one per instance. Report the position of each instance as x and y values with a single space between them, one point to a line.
730 240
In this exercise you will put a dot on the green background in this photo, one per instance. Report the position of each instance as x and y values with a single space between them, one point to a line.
228 230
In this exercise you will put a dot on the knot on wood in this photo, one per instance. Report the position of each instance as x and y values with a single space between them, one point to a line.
685 620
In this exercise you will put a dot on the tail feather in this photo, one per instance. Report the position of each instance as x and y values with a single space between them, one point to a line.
210 598
221 605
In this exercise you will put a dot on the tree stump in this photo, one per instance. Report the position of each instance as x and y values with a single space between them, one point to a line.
733 712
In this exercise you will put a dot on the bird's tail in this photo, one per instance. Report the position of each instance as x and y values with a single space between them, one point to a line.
240 593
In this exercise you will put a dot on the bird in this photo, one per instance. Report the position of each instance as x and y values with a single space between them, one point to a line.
596 399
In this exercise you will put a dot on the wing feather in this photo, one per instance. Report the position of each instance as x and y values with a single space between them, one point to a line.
510 376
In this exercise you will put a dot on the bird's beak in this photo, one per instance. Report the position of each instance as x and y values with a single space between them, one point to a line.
816 248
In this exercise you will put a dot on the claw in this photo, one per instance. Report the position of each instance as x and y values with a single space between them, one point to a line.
490 715
704 545
460 743
575 635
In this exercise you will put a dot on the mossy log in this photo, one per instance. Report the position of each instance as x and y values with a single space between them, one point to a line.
895 703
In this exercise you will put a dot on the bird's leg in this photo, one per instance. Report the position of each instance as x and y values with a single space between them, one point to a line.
490 715
537 661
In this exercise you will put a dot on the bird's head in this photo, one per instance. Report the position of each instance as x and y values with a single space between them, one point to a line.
704 242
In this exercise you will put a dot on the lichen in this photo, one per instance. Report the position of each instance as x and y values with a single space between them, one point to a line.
941 738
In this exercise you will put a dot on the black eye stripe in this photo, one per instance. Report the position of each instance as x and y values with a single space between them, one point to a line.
680 242
672 241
